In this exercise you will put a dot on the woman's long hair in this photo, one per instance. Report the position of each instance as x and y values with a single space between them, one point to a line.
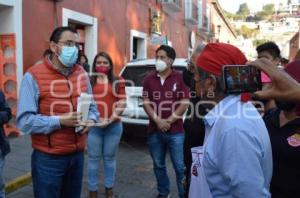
111 77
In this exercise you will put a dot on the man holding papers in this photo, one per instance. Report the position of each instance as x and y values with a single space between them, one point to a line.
47 111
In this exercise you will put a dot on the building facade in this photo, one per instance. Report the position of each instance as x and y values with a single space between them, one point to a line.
126 29
221 29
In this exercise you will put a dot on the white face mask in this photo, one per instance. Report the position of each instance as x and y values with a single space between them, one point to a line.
160 66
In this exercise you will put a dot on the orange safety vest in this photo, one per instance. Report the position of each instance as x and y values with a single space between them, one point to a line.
58 94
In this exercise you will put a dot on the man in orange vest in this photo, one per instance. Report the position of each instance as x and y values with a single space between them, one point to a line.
47 111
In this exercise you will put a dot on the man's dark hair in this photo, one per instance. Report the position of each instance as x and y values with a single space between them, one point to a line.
56 34
46 53
169 51
284 61
270 47
55 37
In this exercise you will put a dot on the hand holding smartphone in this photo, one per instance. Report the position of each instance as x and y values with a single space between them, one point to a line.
241 79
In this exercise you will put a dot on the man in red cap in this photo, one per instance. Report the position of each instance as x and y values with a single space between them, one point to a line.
237 157
283 124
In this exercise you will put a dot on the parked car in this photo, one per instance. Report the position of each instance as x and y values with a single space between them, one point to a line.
135 119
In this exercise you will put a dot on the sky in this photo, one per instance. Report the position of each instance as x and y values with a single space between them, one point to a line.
254 5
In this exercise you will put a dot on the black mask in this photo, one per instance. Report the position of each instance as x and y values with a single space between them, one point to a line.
285 106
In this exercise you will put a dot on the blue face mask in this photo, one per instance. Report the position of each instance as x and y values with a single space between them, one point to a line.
68 56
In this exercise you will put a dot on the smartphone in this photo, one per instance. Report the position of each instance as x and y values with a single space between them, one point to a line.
241 79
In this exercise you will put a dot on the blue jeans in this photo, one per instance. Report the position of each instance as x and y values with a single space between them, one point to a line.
57 176
2 184
159 143
103 144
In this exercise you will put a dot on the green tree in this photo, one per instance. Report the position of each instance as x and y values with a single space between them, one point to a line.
269 9
267 12
229 14
243 10
248 32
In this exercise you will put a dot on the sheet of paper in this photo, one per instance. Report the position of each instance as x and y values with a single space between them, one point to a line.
83 106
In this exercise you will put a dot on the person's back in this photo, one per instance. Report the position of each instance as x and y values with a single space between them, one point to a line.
237 157
240 128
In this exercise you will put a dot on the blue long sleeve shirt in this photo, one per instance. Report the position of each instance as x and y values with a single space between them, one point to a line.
29 120
237 153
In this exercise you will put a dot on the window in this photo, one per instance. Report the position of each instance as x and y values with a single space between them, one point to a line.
138 45
200 13
208 17
137 48
191 12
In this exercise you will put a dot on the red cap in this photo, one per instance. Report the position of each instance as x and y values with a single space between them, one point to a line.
215 55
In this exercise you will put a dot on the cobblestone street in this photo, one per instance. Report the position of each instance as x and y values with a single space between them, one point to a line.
135 177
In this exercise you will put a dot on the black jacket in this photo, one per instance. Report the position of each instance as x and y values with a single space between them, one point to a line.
5 116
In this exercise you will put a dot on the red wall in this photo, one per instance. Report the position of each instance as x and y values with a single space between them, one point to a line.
115 20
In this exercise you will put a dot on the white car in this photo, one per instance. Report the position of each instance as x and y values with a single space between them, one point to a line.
134 118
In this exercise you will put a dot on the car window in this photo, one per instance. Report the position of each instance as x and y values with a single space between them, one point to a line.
134 75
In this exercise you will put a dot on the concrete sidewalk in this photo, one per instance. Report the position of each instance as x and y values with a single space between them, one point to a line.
135 177
18 164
